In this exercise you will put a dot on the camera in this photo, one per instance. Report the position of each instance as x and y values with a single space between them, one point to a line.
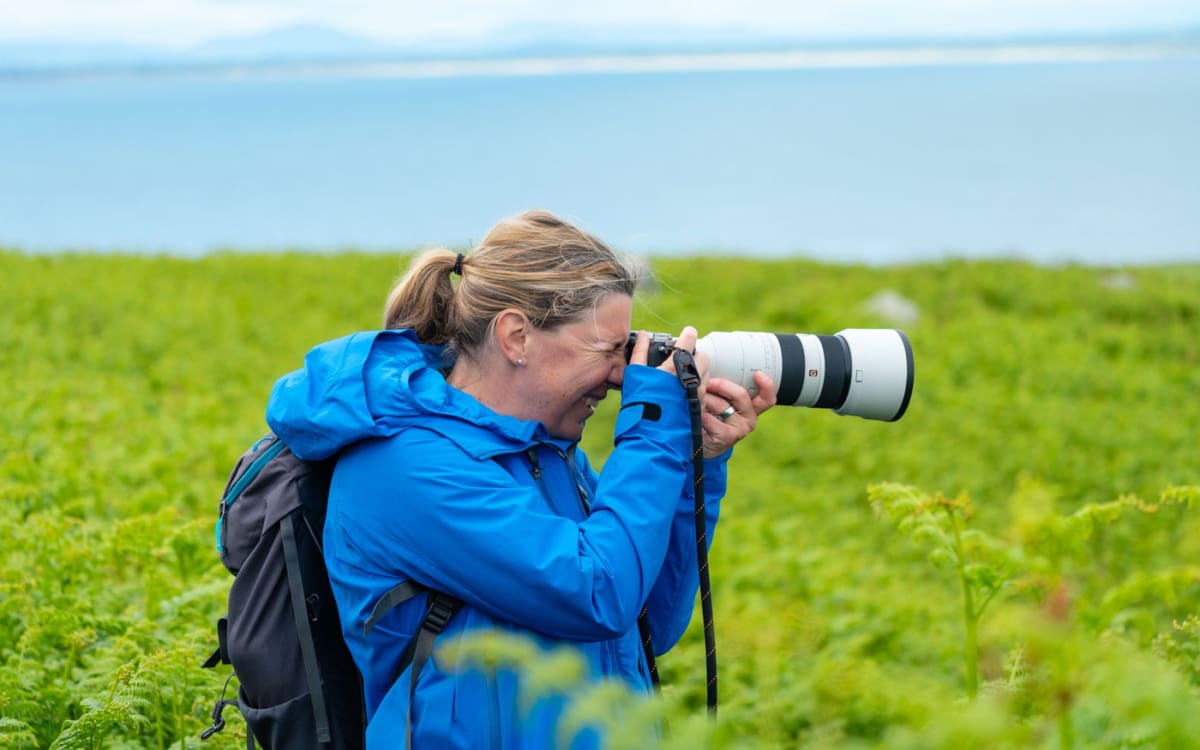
862 372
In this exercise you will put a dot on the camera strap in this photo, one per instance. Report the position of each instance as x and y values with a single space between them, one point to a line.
689 378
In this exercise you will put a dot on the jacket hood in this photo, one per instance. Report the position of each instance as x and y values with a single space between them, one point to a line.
374 384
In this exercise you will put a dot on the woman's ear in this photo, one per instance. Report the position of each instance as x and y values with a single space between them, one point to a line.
513 329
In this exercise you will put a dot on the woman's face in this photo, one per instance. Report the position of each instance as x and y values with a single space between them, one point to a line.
573 367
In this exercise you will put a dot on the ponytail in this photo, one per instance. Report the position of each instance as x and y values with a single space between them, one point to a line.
424 298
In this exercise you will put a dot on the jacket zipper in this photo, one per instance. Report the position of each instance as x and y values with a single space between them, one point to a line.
569 459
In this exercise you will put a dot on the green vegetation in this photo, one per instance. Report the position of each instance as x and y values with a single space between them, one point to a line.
1013 564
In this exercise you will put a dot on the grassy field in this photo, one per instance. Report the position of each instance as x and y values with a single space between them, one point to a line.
1013 564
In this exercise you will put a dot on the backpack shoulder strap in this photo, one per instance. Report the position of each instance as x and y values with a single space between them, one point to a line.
439 609
308 649
394 597
236 488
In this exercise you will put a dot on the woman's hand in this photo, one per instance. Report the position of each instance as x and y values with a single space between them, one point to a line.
730 413
686 341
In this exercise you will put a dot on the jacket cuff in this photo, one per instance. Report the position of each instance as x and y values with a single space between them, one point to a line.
651 401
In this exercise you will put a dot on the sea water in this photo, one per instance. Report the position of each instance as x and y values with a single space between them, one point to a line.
1061 161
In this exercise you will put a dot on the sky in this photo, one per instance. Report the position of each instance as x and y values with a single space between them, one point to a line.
182 23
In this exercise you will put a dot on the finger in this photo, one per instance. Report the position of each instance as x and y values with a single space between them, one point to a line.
721 436
739 422
687 339
767 392
717 430
641 349
701 360
719 407
732 393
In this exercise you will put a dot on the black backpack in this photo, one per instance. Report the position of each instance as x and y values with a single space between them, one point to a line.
298 686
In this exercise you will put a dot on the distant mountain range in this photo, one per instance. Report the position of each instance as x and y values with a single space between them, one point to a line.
324 46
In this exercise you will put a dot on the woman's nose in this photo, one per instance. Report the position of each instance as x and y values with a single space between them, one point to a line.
616 376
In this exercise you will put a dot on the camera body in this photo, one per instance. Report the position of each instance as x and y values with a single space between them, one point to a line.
863 372
661 346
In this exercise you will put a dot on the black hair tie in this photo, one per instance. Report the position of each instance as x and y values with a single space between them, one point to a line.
458 265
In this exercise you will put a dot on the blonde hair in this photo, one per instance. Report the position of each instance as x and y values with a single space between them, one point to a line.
534 262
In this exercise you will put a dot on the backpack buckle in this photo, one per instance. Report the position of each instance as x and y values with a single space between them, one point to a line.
218 721
437 616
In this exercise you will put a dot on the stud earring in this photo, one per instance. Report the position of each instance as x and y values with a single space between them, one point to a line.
521 362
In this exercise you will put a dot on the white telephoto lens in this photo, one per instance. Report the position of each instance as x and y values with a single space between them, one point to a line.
880 370
737 355
862 372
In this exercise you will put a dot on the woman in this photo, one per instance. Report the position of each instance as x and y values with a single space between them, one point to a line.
459 471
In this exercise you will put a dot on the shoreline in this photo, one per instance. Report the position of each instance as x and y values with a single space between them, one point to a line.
713 255
845 56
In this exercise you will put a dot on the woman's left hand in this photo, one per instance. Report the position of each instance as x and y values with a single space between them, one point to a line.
722 427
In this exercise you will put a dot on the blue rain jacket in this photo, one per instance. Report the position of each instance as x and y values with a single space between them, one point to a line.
433 486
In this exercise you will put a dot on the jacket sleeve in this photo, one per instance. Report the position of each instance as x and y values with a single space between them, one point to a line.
673 596
423 509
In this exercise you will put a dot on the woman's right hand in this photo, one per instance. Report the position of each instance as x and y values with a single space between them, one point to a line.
686 341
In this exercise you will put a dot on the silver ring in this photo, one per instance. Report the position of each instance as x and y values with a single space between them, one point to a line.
729 412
